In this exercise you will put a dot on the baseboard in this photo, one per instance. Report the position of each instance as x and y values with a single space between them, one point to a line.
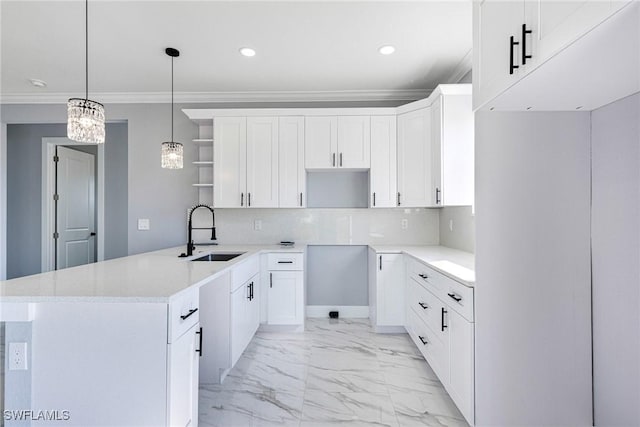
346 311
281 328
390 330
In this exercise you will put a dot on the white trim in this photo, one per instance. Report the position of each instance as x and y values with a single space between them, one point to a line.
17 312
3 202
390 330
346 311
48 182
204 116
444 89
463 67
200 97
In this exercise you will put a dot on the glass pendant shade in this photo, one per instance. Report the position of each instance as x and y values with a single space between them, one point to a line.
85 121
172 155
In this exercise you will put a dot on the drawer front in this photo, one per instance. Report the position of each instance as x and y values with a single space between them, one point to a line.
285 261
426 305
244 271
460 298
183 313
435 351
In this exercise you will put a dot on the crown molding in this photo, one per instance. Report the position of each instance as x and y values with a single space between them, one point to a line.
463 67
215 97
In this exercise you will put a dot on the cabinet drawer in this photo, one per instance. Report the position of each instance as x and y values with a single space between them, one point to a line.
285 261
426 305
183 313
460 298
435 351
244 271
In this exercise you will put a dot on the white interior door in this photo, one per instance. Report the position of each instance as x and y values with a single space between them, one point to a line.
75 179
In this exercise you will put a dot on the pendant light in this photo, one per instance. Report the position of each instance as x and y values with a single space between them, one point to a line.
172 152
85 118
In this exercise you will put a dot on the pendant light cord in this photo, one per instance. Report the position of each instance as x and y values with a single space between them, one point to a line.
86 49
172 58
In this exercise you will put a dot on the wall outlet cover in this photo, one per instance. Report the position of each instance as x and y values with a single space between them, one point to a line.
257 225
144 224
404 223
18 356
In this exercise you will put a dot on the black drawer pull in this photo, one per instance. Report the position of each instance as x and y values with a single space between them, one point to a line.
424 342
285 262
199 349
455 297
442 319
423 305
193 310
512 66
524 44
424 276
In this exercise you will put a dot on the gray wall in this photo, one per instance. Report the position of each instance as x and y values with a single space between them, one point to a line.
616 262
24 193
463 235
337 275
533 281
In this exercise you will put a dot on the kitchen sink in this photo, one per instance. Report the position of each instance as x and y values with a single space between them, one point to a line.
219 257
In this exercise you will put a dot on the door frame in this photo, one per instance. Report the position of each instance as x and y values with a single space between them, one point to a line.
48 187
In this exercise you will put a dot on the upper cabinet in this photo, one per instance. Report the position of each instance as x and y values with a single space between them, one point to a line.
337 142
292 179
414 159
383 174
512 38
262 162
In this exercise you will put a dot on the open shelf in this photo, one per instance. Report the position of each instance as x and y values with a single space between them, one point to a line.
202 140
203 185
203 163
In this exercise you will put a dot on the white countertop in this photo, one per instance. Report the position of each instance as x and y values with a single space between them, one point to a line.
147 278
458 265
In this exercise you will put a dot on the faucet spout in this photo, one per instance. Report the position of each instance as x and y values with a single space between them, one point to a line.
190 245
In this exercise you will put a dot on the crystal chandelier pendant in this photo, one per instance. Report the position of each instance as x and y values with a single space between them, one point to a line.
172 155
85 121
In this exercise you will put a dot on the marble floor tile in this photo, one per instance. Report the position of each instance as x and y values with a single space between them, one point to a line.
335 372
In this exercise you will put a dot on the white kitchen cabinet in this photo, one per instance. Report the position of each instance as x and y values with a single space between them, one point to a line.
437 150
183 371
320 142
383 173
245 316
387 292
285 305
414 159
337 142
461 362
230 161
292 175
262 162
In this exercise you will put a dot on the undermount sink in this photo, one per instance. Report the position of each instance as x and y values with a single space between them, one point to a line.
219 257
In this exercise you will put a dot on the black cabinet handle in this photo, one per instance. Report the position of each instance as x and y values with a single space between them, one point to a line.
248 199
524 44
300 199
249 291
241 199
199 349
455 297
189 313
423 305
285 262
437 196
374 199
333 160
512 66
271 280
340 159
398 198
424 342
423 276
443 326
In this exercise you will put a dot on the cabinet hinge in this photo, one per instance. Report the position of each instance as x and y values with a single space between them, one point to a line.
56 235
56 159
56 197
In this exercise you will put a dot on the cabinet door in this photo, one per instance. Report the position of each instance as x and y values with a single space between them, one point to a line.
495 21
414 159
320 142
354 142
383 176
285 305
292 178
183 379
436 151
461 359
230 162
262 162
390 290
239 324
253 307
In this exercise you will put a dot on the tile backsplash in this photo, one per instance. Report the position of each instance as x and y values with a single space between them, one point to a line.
326 226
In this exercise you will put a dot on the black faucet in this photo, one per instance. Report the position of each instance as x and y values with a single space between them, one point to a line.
190 245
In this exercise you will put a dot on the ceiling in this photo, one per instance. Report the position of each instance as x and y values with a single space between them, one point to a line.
305 49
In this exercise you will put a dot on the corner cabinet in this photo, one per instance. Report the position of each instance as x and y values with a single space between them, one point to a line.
383 174
414 159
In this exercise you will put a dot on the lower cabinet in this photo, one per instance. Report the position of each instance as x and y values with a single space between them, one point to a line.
285 288
183 364
386 290
245 316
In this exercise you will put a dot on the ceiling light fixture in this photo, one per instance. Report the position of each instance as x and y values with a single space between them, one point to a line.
247 51
172 152
38 83
85 118
387 50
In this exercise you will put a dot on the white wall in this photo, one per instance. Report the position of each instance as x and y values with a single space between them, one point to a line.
616 262
463 235
533 288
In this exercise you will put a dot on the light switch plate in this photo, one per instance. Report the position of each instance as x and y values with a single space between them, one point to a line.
18 356
144 224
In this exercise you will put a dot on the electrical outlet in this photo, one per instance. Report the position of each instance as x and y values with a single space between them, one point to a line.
404 224
18 356
257 225
144 224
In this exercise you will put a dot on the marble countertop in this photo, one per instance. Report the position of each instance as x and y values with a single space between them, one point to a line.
149 277
458 265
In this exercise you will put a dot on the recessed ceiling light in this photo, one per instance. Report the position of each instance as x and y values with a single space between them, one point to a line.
38 83
247 51
387 50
